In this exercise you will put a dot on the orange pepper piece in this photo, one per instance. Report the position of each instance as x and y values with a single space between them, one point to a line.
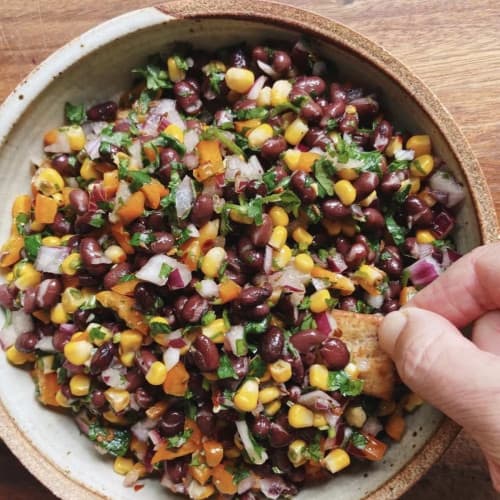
176 383
229 290
126 287
48 387
11 250
192 444
154 192
132 208
45 209
110 183
223 480
122 237
395 427
124 307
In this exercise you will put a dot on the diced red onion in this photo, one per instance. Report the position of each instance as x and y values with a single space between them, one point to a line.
45 344
155 437
268 70
184 197
449 256
82 422
180 277
372 426
273 487
320 283
191 139
151 124
141 428
49 259
207 288
178 487
424 271
193 231
171 357
114 376
60 146
325 323
152 271
332 418
424 249
442 224
92 148
131 478
21 322
374 301
268 259
240 184
318 400
191 160
176 119
246 484
255 89
254 456
135 150
234 166
404 154
336 263
254 170
8 336
234 336
178 343
163 106
302 147
446 183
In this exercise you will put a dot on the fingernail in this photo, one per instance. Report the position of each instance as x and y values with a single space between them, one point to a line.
390 329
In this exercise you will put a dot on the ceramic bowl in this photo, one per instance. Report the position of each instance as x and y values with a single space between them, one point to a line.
96 66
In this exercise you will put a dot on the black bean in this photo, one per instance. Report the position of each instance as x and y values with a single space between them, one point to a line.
356 255
261 233
162 243
337 93
79 200
145 296
90 252
187 95
334 209
390 183
176 469
206 420
255 188
144 359
194 308
62 164
250 256
306 340
271 344
61 226
102 358
205 354
348 304
311 111
26 342
365 184
313 85
104 111
113 276
333 110
273 147
155 220
373 219
418 213
143 398
316 138
349 123
60 339
202 211
389 305
279 437
382 135
260 53
48 293
98 399
365 106
253 295
258 312
281 62
334 353
172 423
302 184
343 245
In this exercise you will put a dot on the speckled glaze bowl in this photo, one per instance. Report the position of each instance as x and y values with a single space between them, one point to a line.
96 66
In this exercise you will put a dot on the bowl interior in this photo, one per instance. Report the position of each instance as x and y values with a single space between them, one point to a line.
106 72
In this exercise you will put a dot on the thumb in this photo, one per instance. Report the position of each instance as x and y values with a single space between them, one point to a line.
438 363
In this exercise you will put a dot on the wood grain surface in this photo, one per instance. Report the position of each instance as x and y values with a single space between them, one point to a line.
453 45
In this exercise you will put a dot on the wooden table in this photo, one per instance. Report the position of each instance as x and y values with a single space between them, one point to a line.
454 46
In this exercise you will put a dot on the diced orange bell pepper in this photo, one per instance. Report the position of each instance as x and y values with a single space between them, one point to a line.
229 290
122 237
132 208
208 233
110 183
201 473
126 287
176 383
11 250
154 192
149 152
214 452
125 308
395 426
48 387
45 209
191 252
42 315
246 125
306 161
223 480
192 444
209 152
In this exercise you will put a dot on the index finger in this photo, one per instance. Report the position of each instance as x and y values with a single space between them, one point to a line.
467 289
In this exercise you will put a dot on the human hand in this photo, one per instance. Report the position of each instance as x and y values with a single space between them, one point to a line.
459 376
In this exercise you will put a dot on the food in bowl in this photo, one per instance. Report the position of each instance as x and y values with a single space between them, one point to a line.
198 273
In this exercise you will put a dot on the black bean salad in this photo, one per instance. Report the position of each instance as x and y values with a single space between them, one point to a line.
171 276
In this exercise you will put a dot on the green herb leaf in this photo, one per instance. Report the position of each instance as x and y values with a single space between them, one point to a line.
290 202
340 381
156 78
21 221
226 369
142 239
358 440
158 327
32 244
126 277
252 114
396 165
75 114
114 441
96 334
179 439
180 62
215 79
97 220
257 367
165 270
212 133
324 172
257 327
208 317
136 178
169 141
397 232
239 475
402 194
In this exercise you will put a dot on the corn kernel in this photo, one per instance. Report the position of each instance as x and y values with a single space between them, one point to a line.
79 384
259 135
58 315
272 408
78 352
51 241
366 202
175 131
123 465
345 191
279 92
62 400
355 416
127 359
72 299
236 216
118 399
66 238
76 137
88 171
296 452
320 420
247 396
71 264
348 174
302 237
37 227
421 144
175 73
215 330
281 371
113 418
48 181
278 237
300 417
157 373
130 341
115 254
318 377
370 278
350 109
422 166
269 394
412 401
239 79
320 301
264 97
279 217
212 261
424 236
303 262
395 145
26 276
98 334
352 370
16 357
281 257
296 131
336 460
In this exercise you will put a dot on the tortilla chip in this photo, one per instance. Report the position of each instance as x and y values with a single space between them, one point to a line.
359 332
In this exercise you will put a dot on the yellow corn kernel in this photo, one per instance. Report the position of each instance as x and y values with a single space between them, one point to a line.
278 237
236 216
422 166
320 301
412 401
279 217
66 238
424 236
123 465
300 417
264 97
366 202
395 145
303 262
247 396
421 144
118 399
130 341
259 135
175 131
348 174
71 264
280 92
76 337
302 237
175 73
79 385
296 452
281 257
296 131
345 191
78 352
157 373
355 416
197 491
9 277
352 370
58 315
98 334
350 109
246 126
127 359
115 254
333 228
272 408
269 394
212 261
16 357
318 377
113 418
266 377
48 181
88 171
370 278
336 460
26 276
215 330
76 137
62 400
281 371
291 157
72 299
320 420
51 241
239 79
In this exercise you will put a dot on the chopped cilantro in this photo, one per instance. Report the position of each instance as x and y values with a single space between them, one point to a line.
165 270
269 179
169 141
179 439
313 214
208 317
75 114
257 113
32 244
180 62
340 381
126 277
97 220
313 451
304 305
181 235
402 194
287 106
21 221
358 440
290 202
308 323
156 78
115 441
331 125
257 367
142 239
324 172
142 104
158 327
211 133
215 79
396 165
136 178
256 327
239 475
96 334
226 369
397 232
